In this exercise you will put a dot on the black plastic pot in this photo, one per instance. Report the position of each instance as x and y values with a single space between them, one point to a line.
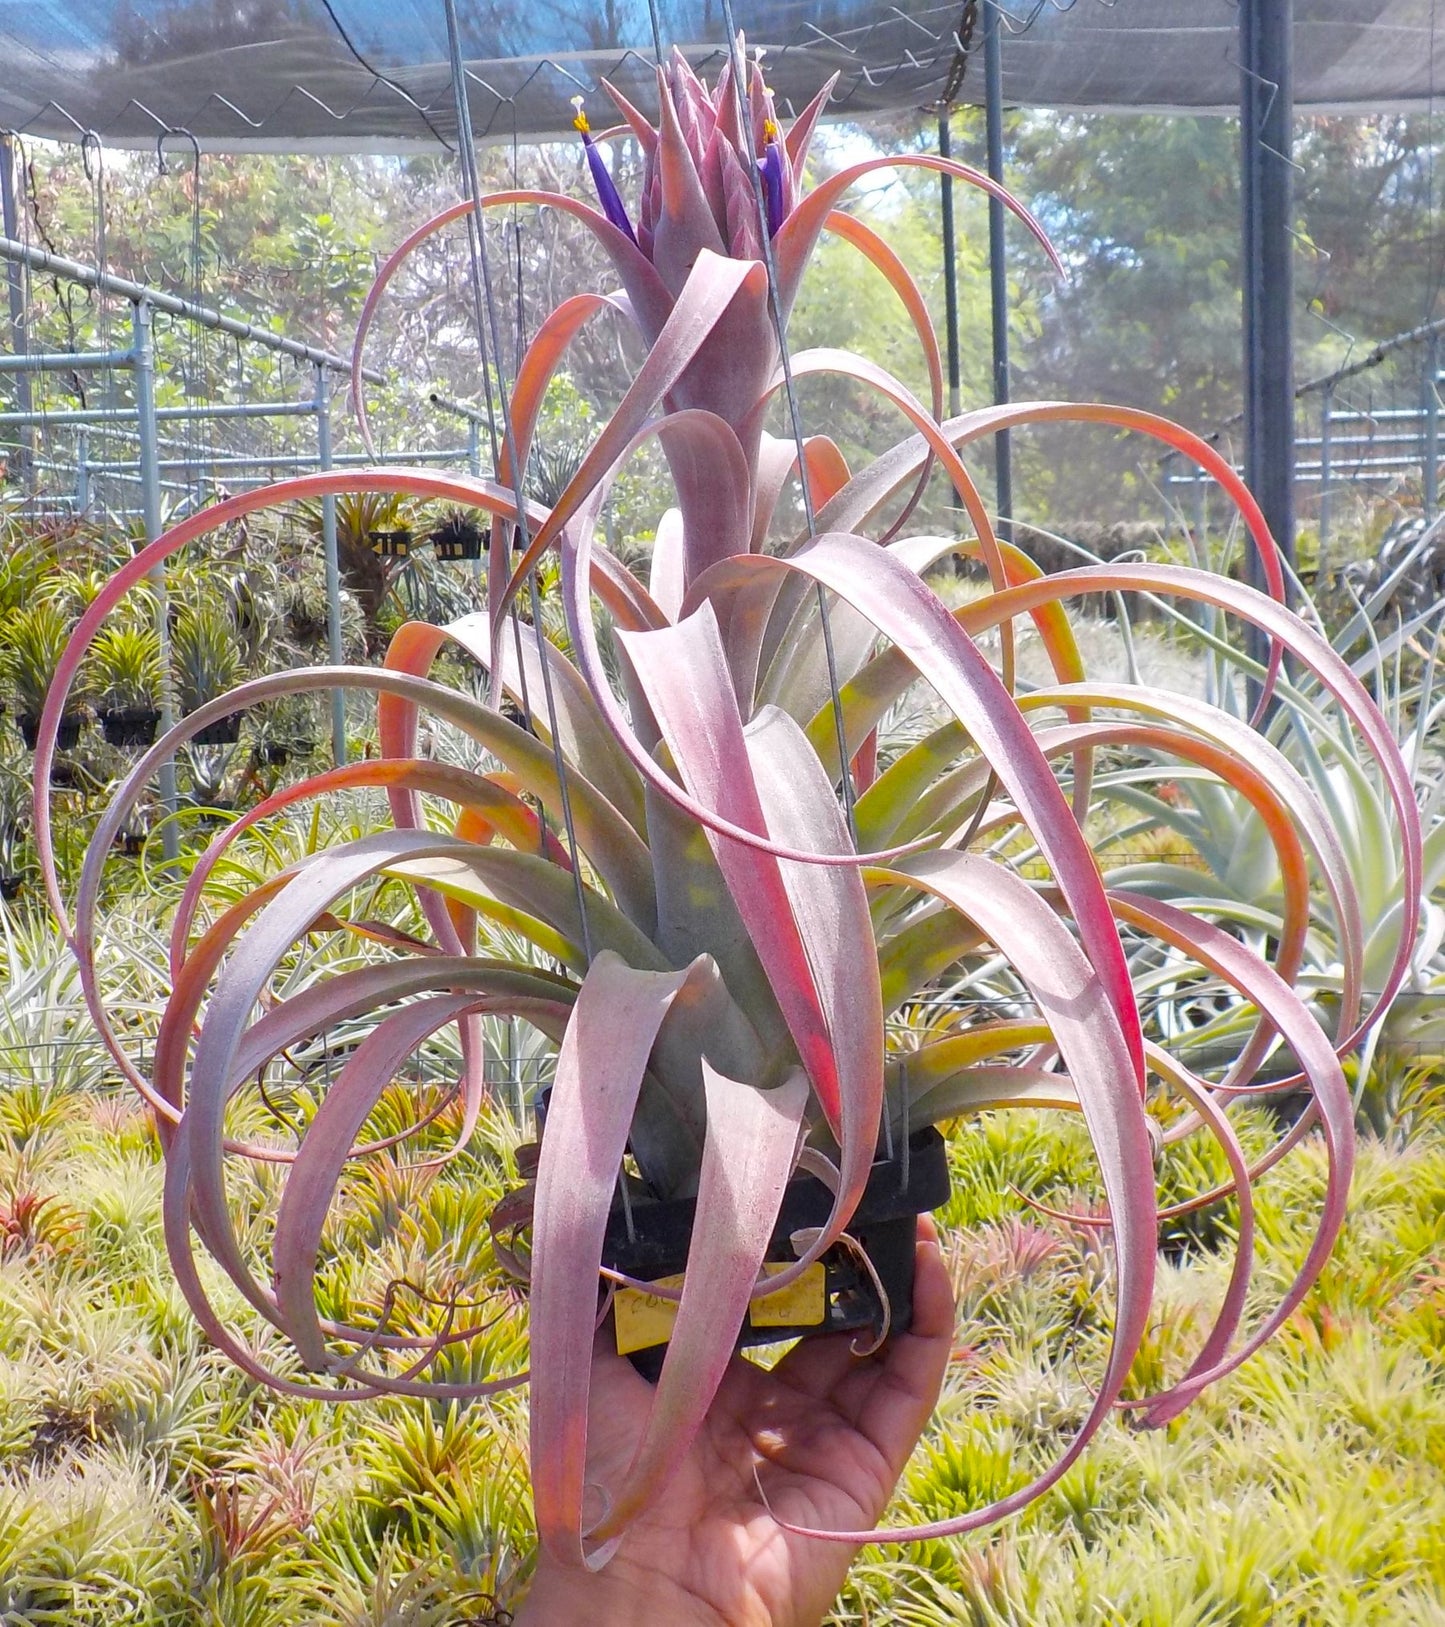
67 775
277 753
67 737
225 731
514 533
11 887
885 1225
390 544
129 726
454 552
457 542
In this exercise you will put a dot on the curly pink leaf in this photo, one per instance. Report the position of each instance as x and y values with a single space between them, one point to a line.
599 1072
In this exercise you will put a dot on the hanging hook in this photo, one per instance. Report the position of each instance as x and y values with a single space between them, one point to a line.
180 133
91 139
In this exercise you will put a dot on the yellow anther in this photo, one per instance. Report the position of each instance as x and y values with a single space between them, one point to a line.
579 121
770 130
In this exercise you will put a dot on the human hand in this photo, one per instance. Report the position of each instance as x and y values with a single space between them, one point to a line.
827 1433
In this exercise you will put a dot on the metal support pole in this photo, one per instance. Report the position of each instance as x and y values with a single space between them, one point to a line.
1266 29
118 419
1327 427
293 463
1432 427
474 466
333 565
997 265
15 278
950 270
143 364
65 361
82 473
1201 515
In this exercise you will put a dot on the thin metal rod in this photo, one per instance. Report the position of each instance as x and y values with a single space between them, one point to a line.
19 334
1371 359
143 368
795 417
332 559
558 759
82 472
291 460
474 467
1201 514
473 415
950 272
164 415
68 360
1327 414
1266 116
488 326
997 263
55 265
1432 427
1266 189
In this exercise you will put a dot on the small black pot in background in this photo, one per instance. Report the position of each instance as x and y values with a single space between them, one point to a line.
457 537
67 737
130 726
390 544
277 753
225 731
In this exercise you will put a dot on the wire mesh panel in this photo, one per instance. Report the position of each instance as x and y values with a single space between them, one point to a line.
367 75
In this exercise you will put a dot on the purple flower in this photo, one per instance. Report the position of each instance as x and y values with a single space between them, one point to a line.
607 194
770 168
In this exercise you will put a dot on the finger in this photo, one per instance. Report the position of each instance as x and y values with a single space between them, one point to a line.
909 1374
933 1305
817 1367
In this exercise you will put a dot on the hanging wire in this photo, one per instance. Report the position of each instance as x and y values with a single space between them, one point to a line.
478 287
739 70
520 350
92 162
1433 292
521 304
391 84
192 382
41 398
485 306
95 175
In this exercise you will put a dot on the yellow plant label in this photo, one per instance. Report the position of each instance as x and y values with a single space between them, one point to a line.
802 1304
644 1319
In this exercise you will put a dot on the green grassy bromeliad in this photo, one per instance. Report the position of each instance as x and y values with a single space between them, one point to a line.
757 887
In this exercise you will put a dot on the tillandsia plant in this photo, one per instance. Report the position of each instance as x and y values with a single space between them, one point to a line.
130 675
722 888
35 639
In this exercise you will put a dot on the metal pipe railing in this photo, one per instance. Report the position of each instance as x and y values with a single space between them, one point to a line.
106 282
142 420
118 418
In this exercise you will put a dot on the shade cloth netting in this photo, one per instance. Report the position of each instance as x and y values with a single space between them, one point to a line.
337 75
